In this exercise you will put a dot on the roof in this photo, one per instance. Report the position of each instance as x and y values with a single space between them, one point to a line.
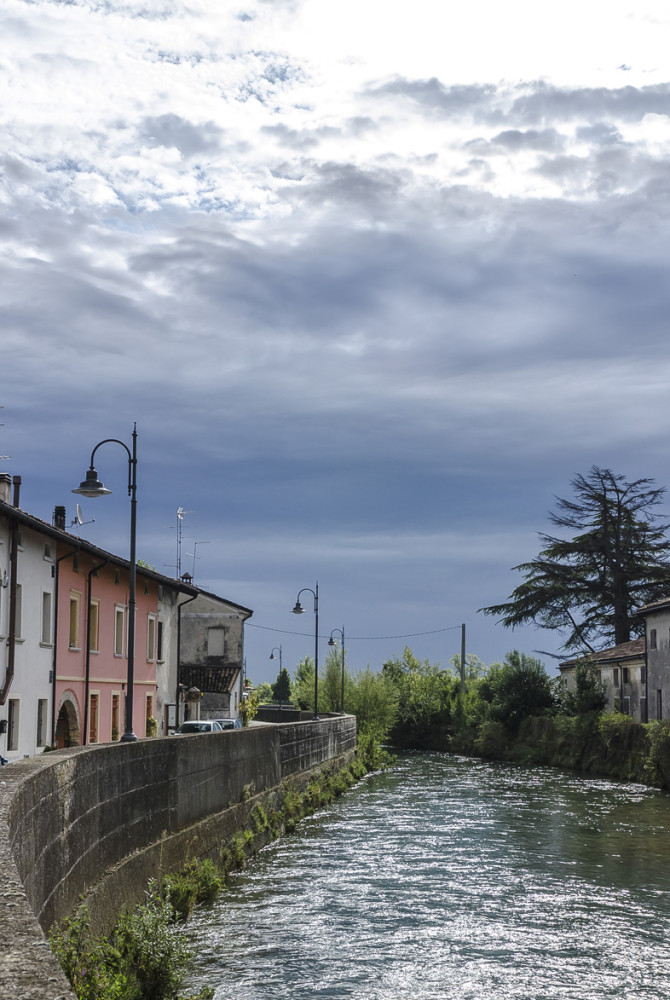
660 605
632 650
81 545
247 612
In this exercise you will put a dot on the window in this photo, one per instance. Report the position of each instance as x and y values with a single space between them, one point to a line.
626 676
643 675
93 706
19 611
117 577
615 677
626 705
119 630
643 710
13 724
215 641
42 706
151 637
46 618
148 716
74 621
159 642
115 716
659 704
94 626
652 638
47 551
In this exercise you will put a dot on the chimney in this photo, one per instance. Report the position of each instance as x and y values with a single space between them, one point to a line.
5 487
16 480
59 517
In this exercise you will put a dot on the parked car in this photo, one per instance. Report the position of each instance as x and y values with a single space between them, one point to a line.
199 726
229 723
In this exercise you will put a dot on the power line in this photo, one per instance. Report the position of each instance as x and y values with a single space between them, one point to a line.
358 638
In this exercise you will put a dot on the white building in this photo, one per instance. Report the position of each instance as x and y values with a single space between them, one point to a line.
27 615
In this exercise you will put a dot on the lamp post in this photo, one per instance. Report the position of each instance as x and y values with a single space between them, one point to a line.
92 487
332 642
299 610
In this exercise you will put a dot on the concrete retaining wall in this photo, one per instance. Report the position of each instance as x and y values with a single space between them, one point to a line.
98 821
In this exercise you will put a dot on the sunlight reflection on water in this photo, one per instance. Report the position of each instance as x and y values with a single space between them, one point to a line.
453 878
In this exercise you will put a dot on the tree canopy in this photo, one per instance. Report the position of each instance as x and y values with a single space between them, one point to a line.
590 585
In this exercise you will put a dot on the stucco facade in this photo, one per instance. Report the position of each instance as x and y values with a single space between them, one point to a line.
657 621
623 672
212 654
27 603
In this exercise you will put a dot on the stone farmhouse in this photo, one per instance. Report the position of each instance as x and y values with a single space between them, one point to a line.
64 640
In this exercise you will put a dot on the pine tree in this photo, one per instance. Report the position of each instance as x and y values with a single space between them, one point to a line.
589 586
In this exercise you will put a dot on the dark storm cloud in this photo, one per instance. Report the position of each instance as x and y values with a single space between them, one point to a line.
173 130
435 96
626 104
546 140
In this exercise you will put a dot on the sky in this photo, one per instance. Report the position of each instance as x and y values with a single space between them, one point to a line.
375 281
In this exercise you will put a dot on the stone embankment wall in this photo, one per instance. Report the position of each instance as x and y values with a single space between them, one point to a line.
98 822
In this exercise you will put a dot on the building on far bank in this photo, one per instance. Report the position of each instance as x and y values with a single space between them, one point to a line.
623 672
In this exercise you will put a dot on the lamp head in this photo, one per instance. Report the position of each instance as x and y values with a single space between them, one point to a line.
272 656
331 642
298 609
92 487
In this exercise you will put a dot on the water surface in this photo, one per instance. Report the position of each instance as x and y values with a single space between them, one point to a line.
453 878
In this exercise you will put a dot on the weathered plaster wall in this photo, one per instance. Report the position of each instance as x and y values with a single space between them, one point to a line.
98 821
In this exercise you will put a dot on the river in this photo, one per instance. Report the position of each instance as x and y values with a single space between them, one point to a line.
455 879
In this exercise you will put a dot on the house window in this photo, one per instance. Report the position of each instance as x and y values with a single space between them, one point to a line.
117 577
19 611
74 621
159 642
615 677
119 630
93 707
115 716
659 704
46 618
626 675
42 706
652 638
94 626
643 675
151 637
215 641
626 705
643 710
13 724
47 551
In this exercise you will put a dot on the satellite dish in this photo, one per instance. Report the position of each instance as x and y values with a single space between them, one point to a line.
79 518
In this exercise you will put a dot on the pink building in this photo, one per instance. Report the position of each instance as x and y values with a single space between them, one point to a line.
92 646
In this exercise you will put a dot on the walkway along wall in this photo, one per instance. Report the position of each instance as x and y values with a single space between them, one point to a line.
99 821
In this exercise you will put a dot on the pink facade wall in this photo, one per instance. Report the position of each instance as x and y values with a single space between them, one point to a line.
108 669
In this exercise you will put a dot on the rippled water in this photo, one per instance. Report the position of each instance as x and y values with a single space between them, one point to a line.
453 878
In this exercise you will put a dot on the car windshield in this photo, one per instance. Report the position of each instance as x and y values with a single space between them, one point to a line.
195 727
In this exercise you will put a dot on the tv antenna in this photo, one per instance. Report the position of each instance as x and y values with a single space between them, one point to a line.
79 518
181 514
4 458
195 549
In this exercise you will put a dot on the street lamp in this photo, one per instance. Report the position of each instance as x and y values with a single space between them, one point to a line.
273 657
92 487
332 642
299 610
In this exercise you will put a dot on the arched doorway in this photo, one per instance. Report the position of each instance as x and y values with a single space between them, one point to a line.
67 725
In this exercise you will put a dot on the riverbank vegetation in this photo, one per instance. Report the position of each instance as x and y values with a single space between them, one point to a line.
145 957
506 711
